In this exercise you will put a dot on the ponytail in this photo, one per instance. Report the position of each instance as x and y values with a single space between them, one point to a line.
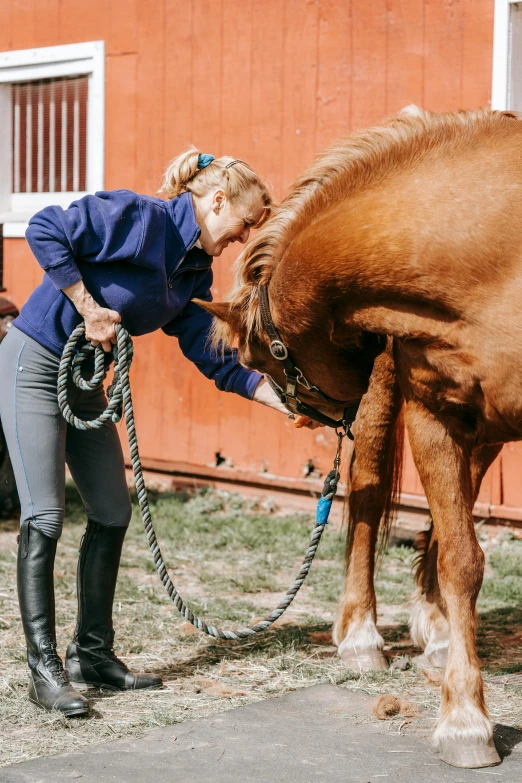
179 173
196 172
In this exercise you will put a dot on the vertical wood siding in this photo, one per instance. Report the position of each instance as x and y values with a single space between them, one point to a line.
272 82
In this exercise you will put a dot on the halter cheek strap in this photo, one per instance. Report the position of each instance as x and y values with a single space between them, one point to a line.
294 378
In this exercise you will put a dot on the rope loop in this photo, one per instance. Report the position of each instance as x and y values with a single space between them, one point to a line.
71 364
76 351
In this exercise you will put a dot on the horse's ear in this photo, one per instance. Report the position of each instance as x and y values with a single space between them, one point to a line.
223 311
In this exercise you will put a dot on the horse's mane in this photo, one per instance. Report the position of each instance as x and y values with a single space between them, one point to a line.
348 166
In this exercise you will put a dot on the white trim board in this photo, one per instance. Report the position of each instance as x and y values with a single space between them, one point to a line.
14 230
43 63
60 198
46 55
501 55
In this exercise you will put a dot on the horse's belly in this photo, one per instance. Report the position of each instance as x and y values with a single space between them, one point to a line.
479 396
502 392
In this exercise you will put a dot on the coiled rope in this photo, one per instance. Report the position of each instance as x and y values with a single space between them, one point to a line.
120 403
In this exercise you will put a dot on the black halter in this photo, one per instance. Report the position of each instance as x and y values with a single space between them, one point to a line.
295 377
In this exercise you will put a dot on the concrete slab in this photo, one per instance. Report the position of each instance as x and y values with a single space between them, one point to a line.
314 735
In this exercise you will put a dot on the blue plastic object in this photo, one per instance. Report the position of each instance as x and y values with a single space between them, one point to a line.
205 160
323 511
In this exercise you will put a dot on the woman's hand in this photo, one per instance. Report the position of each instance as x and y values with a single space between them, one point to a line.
100 327
267 396
100 322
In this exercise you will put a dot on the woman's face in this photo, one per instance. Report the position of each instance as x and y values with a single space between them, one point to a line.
222 222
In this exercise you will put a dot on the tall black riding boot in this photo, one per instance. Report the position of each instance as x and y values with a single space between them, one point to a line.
90 657
48 683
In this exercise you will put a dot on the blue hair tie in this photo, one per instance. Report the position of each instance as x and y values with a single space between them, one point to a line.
204 160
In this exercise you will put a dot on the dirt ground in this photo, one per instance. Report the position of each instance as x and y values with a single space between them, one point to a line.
232 557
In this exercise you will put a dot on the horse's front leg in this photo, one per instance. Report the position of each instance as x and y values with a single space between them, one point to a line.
428 623
464 734
355 631
371 483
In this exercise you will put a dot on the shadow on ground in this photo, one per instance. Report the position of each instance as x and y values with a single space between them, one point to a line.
499 639
303 638
506 739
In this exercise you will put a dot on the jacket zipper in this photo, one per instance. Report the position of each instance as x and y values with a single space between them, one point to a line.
186 269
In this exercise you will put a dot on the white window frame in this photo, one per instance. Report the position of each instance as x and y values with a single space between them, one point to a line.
46 62
500 98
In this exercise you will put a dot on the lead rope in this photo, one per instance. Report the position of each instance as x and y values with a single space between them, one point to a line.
120 403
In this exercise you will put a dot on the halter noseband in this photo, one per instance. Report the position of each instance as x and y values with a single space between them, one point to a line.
295 377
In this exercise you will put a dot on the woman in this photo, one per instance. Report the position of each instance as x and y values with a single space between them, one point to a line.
109 258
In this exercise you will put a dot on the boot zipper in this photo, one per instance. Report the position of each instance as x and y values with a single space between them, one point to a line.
80 592
24 538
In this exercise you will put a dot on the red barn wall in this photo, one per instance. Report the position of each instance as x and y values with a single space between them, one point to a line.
272 82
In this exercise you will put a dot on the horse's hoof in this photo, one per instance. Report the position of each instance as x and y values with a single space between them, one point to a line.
438 658
469 755
364 660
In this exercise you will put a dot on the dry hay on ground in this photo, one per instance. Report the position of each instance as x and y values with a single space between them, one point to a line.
232 558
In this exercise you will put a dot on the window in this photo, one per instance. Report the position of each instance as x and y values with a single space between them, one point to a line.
51 129
507 56
48 138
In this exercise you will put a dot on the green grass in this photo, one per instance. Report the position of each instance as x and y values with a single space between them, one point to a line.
394 582
326 582
506 590
507 560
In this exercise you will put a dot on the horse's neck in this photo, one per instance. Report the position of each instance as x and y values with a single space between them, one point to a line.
296 307
342 302
341 271
417 251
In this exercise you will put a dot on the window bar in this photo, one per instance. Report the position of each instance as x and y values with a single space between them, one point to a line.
40 142
16 138
29 141
51 136
64 137
76 138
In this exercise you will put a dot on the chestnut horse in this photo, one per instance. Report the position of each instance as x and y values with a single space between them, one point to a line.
407 234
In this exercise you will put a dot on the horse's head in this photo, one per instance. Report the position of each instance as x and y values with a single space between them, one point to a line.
332 364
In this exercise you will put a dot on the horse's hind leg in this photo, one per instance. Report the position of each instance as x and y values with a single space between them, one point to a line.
371 484
464 734
428 623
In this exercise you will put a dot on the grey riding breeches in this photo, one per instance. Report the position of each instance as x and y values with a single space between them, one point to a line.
40 441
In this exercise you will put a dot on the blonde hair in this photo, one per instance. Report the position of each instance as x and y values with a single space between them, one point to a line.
235 177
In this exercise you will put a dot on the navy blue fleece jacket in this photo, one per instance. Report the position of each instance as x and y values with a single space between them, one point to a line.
136 255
